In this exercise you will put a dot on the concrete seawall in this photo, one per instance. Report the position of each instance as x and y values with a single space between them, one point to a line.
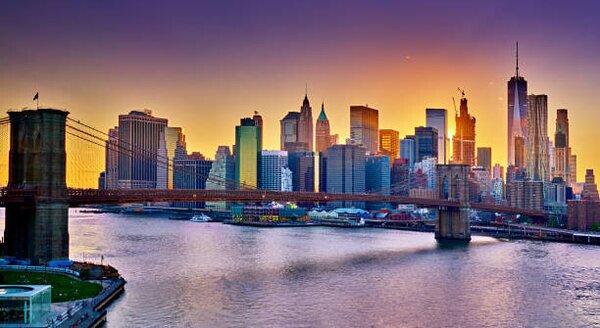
93 312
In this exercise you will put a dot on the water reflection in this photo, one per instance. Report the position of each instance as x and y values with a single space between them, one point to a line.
184 274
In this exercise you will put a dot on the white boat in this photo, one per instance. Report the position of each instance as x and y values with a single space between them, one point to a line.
201 218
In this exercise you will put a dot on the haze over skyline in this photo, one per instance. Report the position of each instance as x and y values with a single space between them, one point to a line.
201 63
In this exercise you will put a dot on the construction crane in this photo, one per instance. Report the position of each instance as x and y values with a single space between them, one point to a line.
462 92
454 103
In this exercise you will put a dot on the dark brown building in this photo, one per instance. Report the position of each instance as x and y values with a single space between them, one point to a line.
525 194
583 214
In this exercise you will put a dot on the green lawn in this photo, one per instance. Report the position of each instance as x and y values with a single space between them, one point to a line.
64 288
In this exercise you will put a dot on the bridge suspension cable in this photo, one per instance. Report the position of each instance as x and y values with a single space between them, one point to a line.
129 150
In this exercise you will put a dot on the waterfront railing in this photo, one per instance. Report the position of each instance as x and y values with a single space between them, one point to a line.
35 268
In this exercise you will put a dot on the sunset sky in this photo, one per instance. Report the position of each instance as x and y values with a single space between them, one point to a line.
204 65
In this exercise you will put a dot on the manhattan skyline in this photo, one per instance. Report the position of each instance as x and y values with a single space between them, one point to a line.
186 64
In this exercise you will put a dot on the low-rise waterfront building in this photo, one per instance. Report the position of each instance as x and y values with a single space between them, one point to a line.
583 215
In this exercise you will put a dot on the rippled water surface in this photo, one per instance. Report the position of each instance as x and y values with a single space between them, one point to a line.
186 274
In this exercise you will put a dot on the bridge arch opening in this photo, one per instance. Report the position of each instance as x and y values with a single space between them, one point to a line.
445 187
455 187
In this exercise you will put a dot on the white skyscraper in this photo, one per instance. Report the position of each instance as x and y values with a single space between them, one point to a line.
274 170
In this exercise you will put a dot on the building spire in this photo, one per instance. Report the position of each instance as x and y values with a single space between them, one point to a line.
517 60
322 115
517 104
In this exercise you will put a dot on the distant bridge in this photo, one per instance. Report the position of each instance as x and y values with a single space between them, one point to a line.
78 197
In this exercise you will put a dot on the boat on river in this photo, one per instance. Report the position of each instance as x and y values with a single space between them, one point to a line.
201 218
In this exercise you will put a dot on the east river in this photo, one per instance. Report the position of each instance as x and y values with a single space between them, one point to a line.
186 274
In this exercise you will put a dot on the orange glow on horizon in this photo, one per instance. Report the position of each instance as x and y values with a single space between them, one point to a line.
209 108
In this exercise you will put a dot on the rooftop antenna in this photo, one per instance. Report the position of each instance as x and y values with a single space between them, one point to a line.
517 58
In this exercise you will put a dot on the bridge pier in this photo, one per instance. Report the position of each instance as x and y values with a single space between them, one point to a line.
37 229
452 223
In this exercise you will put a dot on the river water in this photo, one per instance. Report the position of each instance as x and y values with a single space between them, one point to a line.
186 274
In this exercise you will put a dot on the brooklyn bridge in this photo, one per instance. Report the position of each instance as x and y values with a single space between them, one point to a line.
37 196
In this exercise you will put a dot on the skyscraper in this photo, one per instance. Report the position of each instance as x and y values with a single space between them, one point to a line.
190 172
247 154
346 170
175 137
517 110
305 124
520 153
377 177
484 158
426 139
438 118
401 177
562 151
274 171
324 139
364 128
111 176
538 168
322 174
171 137
289 129
427 168
139 139
295 147
572 170
525 194
221 175
463 142
498 171
162 162
302 165
389 143
551 159
258 122
408 150
590 190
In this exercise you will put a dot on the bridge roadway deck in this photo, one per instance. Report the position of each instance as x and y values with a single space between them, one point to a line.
78 197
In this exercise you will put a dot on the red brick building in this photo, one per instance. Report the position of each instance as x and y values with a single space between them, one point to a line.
583 214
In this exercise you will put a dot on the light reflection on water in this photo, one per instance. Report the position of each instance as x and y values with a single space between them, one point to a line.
185 274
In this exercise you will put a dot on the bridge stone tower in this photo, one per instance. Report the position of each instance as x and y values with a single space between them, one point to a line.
452 223
37 229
